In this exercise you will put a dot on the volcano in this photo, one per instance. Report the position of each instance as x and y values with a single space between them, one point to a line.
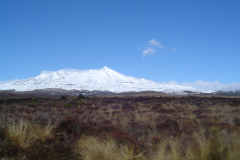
104 79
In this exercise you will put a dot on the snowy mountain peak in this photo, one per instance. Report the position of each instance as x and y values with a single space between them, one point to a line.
105 68
104 79
108 70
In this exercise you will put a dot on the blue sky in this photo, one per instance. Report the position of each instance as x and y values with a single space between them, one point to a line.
163 41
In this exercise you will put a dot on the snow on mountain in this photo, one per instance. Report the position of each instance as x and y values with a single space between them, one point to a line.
104 79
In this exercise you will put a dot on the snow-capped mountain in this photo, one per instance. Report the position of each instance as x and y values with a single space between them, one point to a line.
104 79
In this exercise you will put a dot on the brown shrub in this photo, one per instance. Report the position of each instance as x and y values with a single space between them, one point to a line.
72 126
235 111
77 111
168 127
123 137
208 123
107 128
116 133
127 108
105 121
10 150
159 105
32 105
116 107
223 125
201 117
145 106
115 113
51 150
107 113
165 110
155 108
92 123
236 120
93 108
162 117
134 127
179 109
202 111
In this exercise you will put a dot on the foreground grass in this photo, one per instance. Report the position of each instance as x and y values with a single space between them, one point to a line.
121 129
92 148
19 133
215 144
23 133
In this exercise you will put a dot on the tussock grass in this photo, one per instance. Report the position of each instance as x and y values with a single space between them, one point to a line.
43 132
220 145
199 149
20 133
168 149
234 151
92 148
23 133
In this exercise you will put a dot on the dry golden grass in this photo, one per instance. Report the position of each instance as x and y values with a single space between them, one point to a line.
199 149
92 148
23 133
19 133
168 149
43 132
220 145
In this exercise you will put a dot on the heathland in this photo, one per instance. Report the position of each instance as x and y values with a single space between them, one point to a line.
120 128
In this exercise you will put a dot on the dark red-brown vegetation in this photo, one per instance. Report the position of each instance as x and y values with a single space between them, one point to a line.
138 121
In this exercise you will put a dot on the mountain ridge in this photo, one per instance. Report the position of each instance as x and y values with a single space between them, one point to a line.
104 79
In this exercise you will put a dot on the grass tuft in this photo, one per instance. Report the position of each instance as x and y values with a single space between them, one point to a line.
19 133
92 148
43 132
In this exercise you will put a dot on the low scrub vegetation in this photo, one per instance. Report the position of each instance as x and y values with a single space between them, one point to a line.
120 128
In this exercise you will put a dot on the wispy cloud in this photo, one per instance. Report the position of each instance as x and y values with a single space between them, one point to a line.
205 85
151 47
149 51
213 85
153 42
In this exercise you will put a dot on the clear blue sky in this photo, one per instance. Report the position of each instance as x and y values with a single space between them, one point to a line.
170 40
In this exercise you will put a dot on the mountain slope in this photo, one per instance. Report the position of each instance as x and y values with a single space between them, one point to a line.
104 79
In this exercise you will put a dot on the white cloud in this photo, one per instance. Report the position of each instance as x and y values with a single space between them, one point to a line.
149 51
153 42
151 47
173 83
205 85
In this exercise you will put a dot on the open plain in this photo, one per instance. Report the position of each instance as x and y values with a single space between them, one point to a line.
141 127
